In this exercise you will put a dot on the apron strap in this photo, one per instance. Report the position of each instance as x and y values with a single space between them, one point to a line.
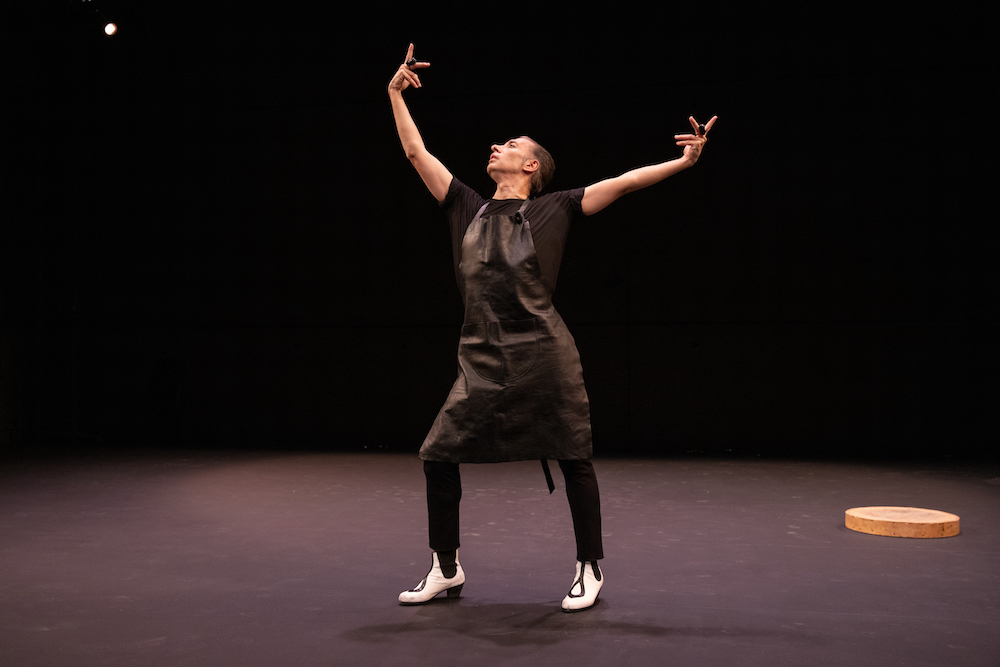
548 476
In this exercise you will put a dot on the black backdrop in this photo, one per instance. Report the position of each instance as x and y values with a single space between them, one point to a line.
211 237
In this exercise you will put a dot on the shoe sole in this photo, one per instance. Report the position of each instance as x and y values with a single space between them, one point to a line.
453 594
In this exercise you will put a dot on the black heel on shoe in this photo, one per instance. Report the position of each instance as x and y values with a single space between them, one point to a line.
434 583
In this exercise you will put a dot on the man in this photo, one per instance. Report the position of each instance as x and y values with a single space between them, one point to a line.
519 393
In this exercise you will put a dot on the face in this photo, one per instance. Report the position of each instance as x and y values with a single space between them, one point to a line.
510 156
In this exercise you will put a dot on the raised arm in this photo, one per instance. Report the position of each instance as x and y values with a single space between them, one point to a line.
435 175
598 196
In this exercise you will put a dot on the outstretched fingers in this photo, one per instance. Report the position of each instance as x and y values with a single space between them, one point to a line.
413 63
700 135
405 75
700 129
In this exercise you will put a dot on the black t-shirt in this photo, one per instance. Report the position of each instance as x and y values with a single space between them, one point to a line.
549 217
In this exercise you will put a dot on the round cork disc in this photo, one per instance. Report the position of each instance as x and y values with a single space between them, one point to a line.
902 521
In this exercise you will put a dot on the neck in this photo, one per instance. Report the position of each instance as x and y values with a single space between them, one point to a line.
512 190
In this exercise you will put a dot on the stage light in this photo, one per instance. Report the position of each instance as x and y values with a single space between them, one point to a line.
110 29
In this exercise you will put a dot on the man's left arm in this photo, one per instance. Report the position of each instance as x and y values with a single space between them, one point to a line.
598 196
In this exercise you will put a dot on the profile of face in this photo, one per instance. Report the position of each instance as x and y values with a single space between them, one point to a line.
514 156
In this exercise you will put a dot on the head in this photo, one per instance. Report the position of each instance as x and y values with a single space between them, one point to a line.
525 157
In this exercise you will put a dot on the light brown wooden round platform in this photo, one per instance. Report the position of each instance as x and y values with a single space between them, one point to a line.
901 521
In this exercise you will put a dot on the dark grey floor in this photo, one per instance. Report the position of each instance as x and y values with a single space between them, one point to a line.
277 559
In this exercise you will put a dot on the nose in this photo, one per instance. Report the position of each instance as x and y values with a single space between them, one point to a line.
495 148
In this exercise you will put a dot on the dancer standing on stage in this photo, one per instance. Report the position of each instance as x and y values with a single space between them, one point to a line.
519 393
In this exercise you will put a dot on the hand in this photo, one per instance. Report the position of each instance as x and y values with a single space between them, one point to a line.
405 76
693 143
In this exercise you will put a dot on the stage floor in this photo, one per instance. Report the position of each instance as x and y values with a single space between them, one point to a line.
297 559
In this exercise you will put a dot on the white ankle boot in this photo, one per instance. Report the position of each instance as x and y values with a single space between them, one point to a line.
583 593
434 583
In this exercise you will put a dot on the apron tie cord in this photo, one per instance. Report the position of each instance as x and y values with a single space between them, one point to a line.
548 476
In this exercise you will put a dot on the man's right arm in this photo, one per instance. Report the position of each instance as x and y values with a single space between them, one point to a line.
434 174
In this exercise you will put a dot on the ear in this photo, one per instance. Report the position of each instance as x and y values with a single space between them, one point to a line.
530 166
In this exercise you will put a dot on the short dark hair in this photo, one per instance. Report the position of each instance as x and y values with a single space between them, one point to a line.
546 168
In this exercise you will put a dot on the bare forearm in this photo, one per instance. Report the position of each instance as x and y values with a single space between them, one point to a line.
409 135
643 177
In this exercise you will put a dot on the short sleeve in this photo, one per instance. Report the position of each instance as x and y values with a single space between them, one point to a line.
460 205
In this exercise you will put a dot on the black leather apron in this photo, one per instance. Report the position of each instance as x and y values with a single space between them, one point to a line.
519 393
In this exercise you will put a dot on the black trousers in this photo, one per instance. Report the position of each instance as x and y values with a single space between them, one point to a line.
444 493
